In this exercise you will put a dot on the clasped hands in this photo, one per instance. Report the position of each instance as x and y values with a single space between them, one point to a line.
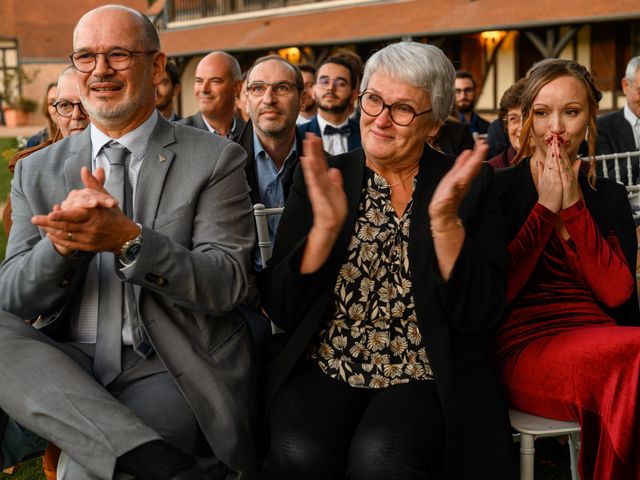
558 186
88 220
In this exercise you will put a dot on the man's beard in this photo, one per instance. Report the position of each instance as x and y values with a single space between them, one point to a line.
126 109
339 108
310 106
468 108
166 101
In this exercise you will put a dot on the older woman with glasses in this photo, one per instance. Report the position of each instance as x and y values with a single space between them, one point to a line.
387 277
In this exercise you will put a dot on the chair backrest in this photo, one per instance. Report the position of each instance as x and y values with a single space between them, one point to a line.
618 159
261 214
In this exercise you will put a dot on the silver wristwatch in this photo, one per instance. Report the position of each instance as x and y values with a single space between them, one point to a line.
131 248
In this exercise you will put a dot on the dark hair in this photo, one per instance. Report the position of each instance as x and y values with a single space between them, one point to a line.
45 103
540 75
343 63
353 58
172 69
511 98
466 74
308 68
296 71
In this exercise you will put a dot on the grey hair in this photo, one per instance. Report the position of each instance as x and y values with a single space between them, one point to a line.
632 67
149 35
420 65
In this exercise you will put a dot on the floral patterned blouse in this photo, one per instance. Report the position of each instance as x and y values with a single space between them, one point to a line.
371 338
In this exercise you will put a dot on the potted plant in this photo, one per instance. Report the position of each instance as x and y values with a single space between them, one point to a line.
16 111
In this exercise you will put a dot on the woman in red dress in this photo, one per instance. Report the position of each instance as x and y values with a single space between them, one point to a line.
570 347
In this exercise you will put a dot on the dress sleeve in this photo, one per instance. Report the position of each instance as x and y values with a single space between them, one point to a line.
599 261
526 246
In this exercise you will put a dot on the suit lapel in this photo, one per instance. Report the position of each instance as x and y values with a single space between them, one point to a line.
157 161
78 158
625 132
353 141
597 206
352 167
432 168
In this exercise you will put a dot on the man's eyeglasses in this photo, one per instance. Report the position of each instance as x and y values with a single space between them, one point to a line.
118 59
336 83
400 113
65 108
258 89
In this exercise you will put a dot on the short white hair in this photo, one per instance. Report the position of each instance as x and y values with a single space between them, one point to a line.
421 65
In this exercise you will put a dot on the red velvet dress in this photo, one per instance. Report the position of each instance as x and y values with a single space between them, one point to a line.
562 356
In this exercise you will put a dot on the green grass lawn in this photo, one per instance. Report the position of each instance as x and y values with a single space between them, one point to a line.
31 470
7 145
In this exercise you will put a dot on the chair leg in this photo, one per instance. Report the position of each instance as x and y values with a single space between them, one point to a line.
527 453
574 451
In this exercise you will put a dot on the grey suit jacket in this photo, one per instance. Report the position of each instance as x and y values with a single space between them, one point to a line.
197 121
193 204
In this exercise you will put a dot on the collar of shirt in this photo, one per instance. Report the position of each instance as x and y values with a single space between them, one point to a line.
631 117
261 154
232 130
323 123
135 141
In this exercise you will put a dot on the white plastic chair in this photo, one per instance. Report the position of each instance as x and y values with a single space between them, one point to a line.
260 214
531 427
622 161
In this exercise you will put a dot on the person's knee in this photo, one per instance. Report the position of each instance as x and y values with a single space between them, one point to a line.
381 455
296 457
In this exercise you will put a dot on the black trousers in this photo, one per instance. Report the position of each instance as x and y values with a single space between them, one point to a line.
320 428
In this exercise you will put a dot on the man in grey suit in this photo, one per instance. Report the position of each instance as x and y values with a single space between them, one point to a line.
619 131
178 382
217 84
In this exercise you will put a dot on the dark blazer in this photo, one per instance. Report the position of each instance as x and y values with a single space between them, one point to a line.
456 318
497 138
245 140
615 135
607 204
312 126
454 137
196 121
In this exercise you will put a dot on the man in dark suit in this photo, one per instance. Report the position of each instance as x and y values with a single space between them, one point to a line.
167 90
275 91
335 91
216 86
465 90
619 131
130 281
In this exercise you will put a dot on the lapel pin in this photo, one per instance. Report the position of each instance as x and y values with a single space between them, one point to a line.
161 157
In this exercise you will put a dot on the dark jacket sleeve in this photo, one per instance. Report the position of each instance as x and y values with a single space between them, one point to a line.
474 295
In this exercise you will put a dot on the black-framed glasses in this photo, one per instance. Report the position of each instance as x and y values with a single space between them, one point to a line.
400 113
65 108
118 59
258 89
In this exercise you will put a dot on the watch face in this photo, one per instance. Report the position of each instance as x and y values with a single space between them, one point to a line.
132 252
